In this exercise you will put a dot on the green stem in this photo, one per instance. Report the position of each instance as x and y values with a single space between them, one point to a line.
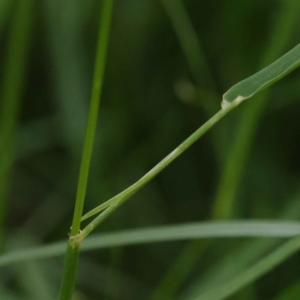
72 253
93 113
200 69
70 270
116 201
13 83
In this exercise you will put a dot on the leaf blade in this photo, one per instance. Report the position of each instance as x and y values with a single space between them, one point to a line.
264 78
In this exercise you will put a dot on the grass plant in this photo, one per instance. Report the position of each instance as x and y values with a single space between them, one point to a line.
285 64
267 243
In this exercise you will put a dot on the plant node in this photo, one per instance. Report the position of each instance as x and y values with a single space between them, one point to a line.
76 239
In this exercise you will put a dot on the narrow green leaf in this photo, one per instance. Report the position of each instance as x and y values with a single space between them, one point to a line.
264 78
233 229
249 275
235 261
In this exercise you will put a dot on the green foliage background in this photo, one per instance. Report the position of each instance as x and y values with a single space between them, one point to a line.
155 94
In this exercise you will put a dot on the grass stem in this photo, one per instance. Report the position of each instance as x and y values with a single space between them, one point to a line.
72 253
112 204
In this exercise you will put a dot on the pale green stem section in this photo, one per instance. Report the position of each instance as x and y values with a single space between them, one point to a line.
13 83
116 201
250 118
72 253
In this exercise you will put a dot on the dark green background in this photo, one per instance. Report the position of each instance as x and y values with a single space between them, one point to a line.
151 102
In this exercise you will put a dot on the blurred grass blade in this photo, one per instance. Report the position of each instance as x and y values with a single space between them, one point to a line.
240 258
180 269
189 41
5 9
13 83
207 99
9 295
70 72
32 277
35 136
99 274
279 229
268 263
112 282
292 292
264 78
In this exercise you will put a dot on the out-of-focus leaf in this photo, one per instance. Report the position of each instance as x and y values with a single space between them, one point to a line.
232 285
269 229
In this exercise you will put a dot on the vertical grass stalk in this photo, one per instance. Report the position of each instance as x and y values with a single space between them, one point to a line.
13 83
72 253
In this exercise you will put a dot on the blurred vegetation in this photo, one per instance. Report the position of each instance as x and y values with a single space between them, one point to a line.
169 62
